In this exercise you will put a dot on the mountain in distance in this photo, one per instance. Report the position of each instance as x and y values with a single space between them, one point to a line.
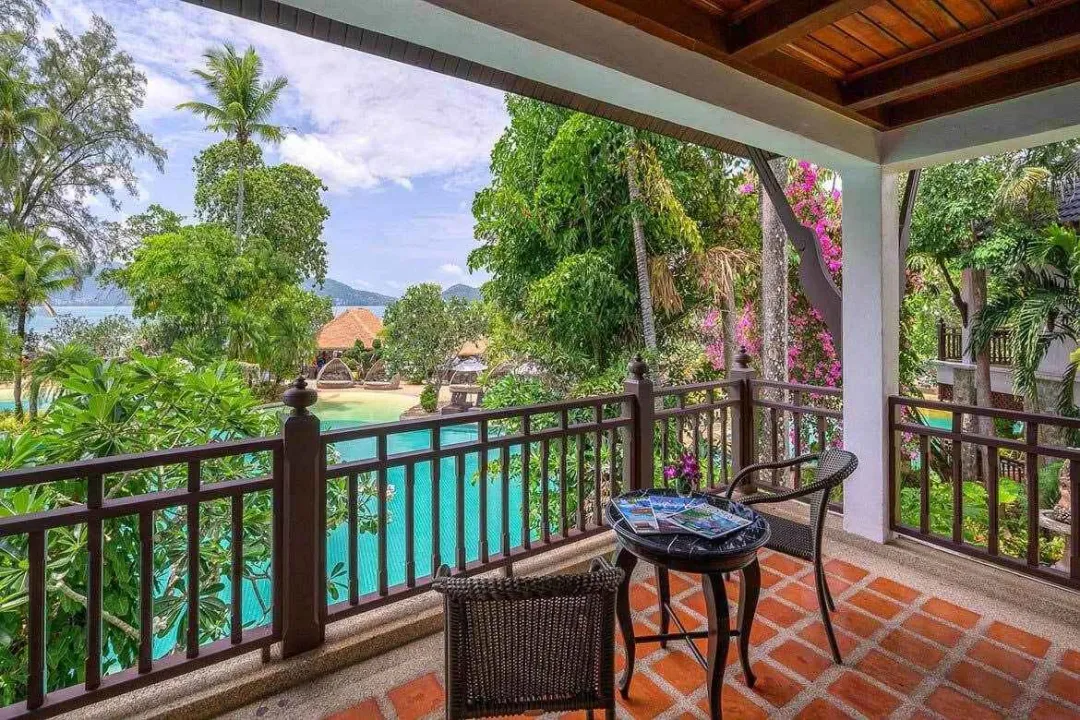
342 294
95 292
467 292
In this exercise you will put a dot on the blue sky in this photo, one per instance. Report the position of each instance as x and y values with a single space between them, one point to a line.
402 150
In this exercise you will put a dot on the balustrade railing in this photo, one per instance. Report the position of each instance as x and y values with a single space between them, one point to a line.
1025 516
186 482
951 345
495 486
243 544
794 420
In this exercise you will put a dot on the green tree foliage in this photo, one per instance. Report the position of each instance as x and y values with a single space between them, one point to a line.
108 408
32 267
429 398
283 203
155 220
955 201
206 290
361 357
1038 298
557 232
244 104
68 103
422 332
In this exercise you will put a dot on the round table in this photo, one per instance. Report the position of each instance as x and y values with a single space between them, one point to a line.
711 559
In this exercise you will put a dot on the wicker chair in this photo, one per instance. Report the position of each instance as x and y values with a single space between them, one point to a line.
803 540
515 645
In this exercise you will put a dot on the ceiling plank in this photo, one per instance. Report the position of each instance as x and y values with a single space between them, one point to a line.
680 23
1006 45
785 21
695 29
998 87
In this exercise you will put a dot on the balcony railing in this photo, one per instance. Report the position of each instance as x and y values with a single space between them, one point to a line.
478 491
942 494
951 345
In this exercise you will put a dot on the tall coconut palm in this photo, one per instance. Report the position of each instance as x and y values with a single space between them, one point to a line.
32 267
634 150
653 199
243 105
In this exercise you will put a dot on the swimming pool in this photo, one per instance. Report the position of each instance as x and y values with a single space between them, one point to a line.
338 412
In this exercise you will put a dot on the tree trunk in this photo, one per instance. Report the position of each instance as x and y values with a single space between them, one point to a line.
774 285
35 392
983 397
240 190
641 257
21 334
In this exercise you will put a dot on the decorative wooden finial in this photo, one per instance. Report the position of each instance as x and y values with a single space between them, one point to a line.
742 359
299 396
637 368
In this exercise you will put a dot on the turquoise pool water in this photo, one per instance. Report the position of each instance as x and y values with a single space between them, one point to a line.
335 414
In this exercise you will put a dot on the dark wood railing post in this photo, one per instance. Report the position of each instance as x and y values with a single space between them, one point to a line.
941 351
742 426
638 466
301 525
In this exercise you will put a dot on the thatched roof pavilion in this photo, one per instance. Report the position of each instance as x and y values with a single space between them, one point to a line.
354 324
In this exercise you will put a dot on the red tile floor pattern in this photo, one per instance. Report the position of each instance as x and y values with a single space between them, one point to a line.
907 655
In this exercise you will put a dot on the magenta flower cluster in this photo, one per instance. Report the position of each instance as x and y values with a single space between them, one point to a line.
686 471
811 357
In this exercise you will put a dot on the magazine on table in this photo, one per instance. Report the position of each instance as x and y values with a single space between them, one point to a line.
638 513
664 506
708 521
648 515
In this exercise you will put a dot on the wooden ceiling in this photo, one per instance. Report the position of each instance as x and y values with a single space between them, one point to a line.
888 63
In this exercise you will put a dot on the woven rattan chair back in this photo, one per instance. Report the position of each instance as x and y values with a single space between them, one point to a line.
833 468
523 644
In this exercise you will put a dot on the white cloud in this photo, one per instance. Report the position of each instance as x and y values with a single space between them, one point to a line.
360 121
163 94
340 167
452 269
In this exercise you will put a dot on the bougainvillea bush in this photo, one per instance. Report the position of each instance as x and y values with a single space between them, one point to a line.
812 358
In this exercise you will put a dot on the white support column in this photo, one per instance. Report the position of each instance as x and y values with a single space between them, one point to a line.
871 341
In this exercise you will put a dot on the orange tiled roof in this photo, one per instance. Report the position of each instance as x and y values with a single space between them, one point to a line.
354 324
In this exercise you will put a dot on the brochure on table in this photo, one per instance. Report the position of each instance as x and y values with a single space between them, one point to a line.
667 514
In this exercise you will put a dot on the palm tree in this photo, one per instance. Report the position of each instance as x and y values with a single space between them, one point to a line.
32 267
652 196
634 150
243 105
54 362
1037 177
1039 301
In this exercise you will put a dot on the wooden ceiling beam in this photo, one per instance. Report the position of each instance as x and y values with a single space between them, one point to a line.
696 29
778 23
1044 75
677 22
1000 47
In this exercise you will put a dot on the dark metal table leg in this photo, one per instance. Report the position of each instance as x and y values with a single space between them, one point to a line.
625 560
663 591
716 607
749 588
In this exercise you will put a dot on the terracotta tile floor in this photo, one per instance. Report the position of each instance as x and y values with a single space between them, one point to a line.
907 655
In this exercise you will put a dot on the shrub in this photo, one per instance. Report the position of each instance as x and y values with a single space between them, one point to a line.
429 398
